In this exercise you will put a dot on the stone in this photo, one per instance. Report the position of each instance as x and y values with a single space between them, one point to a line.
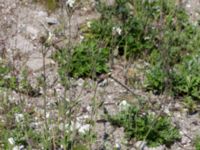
36 64
42 14
80 82
141 145
32 32
161 147
103 83
108 2
185 140
52 21
21 43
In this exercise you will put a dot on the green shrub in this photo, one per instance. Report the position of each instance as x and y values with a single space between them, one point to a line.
51 5
186 77
197 143
176 57
88 59
9 81
155 79
142 126
190 104
140 24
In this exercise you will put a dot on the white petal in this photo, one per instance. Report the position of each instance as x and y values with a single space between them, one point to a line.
11 141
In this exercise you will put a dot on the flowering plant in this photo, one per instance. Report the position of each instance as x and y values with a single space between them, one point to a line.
70 3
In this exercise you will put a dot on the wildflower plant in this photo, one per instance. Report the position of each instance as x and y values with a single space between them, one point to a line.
70 3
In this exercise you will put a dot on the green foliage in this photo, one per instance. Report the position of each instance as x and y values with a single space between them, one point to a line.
190 105
142 126
80 147
51 5
176 58
88 60
140 23
21 131
197 143
155 79
7 80
158 31
186 77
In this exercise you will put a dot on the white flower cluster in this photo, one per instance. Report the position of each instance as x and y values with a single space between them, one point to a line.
18 147
89 24
79 125
70 3
19 117
11 141
117 30
124 105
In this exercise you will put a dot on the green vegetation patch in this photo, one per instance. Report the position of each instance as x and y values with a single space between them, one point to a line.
157 31
88 60
142 126
197 143
9 81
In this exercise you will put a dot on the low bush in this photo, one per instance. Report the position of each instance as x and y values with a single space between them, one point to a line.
142 126
9 81
197 143
88 59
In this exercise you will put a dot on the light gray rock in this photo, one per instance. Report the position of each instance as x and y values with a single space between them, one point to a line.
141 145
21 43
108 2
185 140
52 21
36 64
80 82
32 32
161 147
42 14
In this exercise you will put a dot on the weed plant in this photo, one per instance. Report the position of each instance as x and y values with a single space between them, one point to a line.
143 126
197 143
87 57
156 31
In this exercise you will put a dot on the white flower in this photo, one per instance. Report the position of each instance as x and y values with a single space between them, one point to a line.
47 115
62 146
82 118
66 127
19 117
8 76
146 38
18 147
89 108
188 5
49 39
117 146
11 141
81 38
124 105
70 3
84 128
117 30
89 24
11 99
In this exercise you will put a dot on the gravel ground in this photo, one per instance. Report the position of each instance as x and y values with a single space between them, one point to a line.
23 23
